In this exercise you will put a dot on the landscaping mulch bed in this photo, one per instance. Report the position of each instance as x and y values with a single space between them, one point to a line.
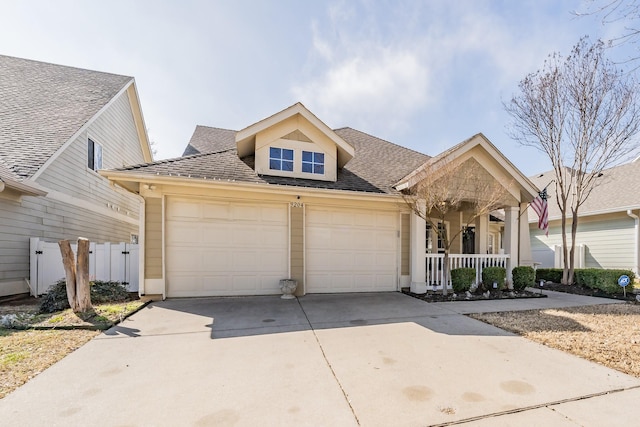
436 296
583 290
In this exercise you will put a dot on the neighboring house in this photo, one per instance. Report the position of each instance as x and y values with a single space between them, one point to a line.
607 235
58 126
288 197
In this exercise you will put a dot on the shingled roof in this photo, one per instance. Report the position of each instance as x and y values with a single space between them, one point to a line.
206 139
376 166
42 105
616 190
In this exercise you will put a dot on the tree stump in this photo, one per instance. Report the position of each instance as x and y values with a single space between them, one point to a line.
77 277
70 272
83 292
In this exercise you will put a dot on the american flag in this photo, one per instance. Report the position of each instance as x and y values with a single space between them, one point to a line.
539 204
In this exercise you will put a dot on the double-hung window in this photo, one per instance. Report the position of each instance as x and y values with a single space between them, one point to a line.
94 158
280 159
313 162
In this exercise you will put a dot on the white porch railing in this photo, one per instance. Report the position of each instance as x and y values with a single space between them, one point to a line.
478 262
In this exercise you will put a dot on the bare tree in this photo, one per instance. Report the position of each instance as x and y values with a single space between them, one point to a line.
444 187
616 12
583 113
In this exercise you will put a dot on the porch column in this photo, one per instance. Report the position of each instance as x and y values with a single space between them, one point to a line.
525 241
482 234
511 234
418 252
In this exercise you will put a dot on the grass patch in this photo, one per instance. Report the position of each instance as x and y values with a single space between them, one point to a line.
56 319
607 334
106 315
10 358
26 351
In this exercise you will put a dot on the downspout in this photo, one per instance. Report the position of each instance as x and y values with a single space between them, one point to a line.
635 238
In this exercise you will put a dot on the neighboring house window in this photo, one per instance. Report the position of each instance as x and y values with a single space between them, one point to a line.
313 162
94 158
281 159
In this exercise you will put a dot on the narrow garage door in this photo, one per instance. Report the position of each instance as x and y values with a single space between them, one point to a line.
217 248
350 250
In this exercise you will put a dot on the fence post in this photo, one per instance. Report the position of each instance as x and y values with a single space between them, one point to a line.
34 254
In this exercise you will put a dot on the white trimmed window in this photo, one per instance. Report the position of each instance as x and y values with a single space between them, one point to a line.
94 155
280 159
313 162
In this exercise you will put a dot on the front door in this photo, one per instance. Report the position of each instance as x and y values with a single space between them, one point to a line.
469 240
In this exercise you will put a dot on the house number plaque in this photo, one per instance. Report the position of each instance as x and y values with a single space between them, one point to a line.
296 204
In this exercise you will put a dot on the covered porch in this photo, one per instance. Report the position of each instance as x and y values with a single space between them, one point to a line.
471 202
493 243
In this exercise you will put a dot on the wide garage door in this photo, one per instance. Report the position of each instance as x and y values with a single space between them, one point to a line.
350 250
217 247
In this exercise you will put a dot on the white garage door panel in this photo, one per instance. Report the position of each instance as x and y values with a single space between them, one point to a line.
350 250
223 248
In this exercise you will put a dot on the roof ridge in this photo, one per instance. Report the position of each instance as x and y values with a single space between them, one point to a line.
215 127
65 66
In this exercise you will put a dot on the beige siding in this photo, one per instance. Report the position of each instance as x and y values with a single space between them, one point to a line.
39 217
73 188
609 239
153 239
405 244
297 247
115 130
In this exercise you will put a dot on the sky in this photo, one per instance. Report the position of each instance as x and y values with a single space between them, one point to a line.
422 74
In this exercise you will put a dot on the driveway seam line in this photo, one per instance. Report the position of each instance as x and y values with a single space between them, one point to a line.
547 405
344 393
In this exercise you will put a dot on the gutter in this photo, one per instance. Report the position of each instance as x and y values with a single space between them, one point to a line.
635 237
592 213
259 187
20 187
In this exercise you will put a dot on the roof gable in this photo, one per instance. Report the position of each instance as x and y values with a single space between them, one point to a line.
286 122
487 155
44 105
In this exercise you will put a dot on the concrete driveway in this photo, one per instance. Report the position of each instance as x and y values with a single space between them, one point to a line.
323 360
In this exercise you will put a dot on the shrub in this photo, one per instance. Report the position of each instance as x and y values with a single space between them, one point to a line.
522 277
462 279
604 280
549 274
493 274
55 299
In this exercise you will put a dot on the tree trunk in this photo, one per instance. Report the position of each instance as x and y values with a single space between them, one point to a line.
574 231
565 255
83 293
445 272
70 272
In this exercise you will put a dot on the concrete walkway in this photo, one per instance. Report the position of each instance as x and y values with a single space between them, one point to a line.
323 360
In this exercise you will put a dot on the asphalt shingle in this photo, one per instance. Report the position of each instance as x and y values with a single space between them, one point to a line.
616 190
42 105
375 168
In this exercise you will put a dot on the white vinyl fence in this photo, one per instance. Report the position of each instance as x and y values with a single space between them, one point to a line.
116 262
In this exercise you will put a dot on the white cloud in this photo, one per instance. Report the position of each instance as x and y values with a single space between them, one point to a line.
370 85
